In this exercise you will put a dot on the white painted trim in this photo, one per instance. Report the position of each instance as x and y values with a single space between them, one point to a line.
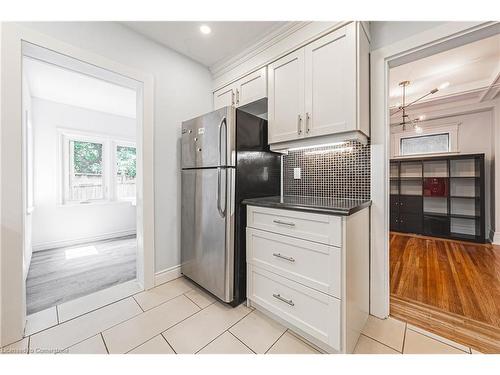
13 303
450 129
167 275
435 39
278 46
82 240
272 37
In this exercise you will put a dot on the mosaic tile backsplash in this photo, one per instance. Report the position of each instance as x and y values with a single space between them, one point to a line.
336 171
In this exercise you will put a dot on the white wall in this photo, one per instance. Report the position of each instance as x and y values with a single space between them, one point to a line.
55 224
27 116
476 134
384 33
182 90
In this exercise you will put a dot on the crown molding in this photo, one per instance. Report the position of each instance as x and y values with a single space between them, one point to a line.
273 37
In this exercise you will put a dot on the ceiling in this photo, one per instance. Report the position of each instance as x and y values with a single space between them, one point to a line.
470 68
61 85
226 39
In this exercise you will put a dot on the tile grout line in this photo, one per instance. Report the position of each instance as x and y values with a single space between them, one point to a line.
227 329
437 338
69 320
381 343
138 304
304 340
171 347
274 343
404 338
104 341
240 340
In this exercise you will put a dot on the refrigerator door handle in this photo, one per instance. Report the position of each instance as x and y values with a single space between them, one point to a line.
222 212
223 122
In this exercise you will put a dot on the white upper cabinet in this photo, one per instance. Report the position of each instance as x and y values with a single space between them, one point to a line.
286 98
251 87
224 97
246 90
330 84
321 89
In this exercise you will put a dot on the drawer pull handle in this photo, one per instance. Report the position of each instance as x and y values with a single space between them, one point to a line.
284 223
278 255
288 301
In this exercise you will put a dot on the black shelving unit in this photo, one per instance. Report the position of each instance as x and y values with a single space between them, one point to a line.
440 196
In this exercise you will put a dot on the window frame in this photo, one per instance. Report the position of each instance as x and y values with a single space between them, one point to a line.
109 167
115 144
427 130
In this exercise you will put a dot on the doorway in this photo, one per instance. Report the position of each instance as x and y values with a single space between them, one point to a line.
81 173
14 160
442 266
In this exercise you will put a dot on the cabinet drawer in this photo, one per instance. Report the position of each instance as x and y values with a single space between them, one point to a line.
312 264
325 229
410 204
311 311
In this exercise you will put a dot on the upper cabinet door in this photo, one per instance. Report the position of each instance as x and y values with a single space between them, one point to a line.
330 83
251 87
224 97
286 98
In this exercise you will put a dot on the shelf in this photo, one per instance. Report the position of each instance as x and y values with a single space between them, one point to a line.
435 214
464 197
436 196
410 178
461 216
463 236
465 177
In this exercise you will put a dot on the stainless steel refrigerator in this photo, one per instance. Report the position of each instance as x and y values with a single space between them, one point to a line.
225 159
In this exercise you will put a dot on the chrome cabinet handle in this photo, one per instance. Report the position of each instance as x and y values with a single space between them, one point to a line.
232 97
278 255
288 301
299 124
284 223
237 97
308 117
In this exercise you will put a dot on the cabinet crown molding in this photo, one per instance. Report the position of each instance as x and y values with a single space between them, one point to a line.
275 35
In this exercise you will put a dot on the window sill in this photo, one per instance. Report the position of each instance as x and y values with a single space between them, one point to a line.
98 203
429 154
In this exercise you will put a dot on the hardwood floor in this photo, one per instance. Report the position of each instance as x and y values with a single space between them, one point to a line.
59 275
456 283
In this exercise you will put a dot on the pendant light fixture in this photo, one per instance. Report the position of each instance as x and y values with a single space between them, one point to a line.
405 120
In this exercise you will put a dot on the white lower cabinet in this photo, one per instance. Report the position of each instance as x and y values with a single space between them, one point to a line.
313 312
297 276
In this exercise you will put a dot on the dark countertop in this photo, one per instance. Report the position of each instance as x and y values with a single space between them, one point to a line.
331 206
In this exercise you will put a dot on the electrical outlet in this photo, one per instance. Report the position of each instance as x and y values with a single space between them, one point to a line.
297 173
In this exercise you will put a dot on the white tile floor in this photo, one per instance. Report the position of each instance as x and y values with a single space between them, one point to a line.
178 317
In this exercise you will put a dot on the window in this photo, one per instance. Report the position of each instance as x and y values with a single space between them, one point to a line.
86 180
125 172
425 144
432 138
97 168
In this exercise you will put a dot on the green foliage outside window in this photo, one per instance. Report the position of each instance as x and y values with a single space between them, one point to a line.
126 161
87 157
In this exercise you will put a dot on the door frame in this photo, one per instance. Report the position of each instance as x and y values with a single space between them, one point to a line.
12 202
432 41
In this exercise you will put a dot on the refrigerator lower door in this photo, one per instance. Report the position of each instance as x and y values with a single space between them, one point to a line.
207 242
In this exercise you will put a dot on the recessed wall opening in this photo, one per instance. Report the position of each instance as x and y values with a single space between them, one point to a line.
443 250
81 149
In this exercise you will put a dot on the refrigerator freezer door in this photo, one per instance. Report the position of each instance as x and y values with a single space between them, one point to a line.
207 245
208 140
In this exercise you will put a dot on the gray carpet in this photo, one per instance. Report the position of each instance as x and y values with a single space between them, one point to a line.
59 275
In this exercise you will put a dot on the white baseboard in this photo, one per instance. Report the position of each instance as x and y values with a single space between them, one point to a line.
495 238
82 240
167 275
